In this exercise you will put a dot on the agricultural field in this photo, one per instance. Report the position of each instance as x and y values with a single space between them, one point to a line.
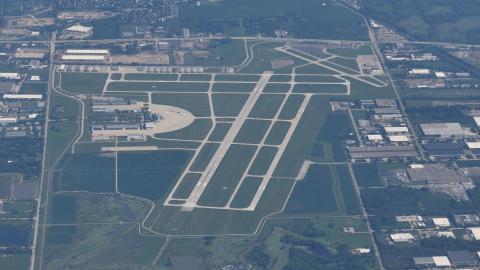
178 166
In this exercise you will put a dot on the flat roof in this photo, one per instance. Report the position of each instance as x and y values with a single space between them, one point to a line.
83 57
22 96
441 222
87 51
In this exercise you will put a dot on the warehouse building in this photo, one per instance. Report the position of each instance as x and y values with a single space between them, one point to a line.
442 129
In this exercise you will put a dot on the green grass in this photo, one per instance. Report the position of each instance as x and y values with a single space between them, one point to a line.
291 107
198 130
304 137
158 86
203 158
111 250
18 261
63 209
266 106
224 52
34 88
195 77
280 78
252 131
226 105
186 185
320 88
197 104
326 189
263 17
367 175
336 129
116 76
317 78
85 172
227 176
263 160
206 221
345 62
350 52
247 191
277 132
150 174
233 87
237 77
83 82
315 69
276 88
314 194
219 131
150 77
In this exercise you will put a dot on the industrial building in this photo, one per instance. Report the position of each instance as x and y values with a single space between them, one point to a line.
85 55
442 129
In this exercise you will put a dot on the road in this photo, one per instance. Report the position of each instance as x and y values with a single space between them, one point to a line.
44 171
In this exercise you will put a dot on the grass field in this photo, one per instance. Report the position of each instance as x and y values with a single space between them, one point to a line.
150 77
219 131
263 160
246 192
205 221
277 132
233 87
204 156
186 186
150 174
267 106
197 104
252 131
326 189
367 175
158 86
227 175
198 130
226 105
83 83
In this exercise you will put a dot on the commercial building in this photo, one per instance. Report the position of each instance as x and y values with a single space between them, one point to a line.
402 237
23 96
10 76
87 51
390 130
442 129
441 222
82 57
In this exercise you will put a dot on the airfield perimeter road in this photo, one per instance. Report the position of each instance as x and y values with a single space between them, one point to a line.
44 173
226 143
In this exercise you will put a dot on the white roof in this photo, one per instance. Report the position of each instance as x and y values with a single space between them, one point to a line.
79 28
440 74
83 57
441 222
422 71
442 129
416 166
10 75
401 237
398 138
446 234
87 51
21 96
35 78
476 232
477 120
395 129
374 137
473 145
441 261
